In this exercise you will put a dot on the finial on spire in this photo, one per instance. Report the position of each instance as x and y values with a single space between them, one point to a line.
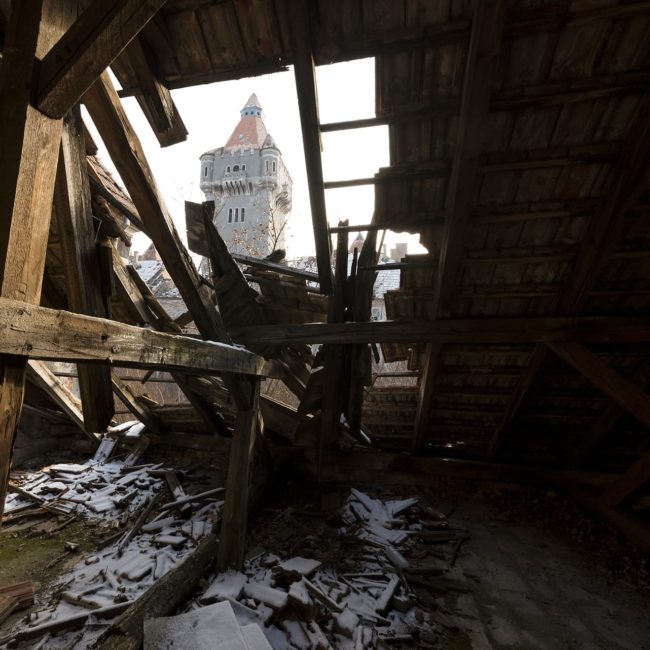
252 107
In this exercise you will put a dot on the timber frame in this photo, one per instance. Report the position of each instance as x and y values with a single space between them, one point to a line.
519 153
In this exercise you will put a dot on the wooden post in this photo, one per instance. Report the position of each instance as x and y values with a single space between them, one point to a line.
28 161
334 379
82 275
235 509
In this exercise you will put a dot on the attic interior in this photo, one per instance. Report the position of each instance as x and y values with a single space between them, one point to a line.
273 468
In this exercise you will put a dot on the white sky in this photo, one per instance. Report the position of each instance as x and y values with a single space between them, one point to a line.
211 112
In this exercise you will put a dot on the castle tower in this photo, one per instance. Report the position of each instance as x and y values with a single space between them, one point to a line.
250 185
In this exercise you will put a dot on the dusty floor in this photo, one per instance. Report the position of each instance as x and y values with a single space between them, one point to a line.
534 589
537 573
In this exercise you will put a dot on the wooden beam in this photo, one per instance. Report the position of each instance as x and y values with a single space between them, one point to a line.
136 406
482 55
232 542
426 391
631 481
40 375
623 391
526 380
607 420
408 469
28 161
628 396
635 529
630 329
87 48
155 100
126 152
631 178
603 232
443 107
29 331
82 274
140 307
278 268
309 121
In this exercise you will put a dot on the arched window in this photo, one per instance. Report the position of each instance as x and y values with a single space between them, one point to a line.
205 172
267 166
235 168
274 166
230 215
243 168
236 215
228 168
243 214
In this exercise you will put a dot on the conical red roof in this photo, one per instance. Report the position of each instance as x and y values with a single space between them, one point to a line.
251 131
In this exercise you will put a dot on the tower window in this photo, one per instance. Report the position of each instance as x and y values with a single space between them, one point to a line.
274 166
230 215
228 168
243 168
267 166
235 168
243 212
236 215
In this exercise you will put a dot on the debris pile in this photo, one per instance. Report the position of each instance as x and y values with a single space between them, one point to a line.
378 581
148 537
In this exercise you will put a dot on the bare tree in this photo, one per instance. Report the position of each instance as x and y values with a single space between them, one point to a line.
268 235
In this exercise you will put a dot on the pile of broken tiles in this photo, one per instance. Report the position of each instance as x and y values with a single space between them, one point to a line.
103 584
299 603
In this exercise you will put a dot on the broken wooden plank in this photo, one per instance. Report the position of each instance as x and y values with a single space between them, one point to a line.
41 333
87 48
137 407
81 264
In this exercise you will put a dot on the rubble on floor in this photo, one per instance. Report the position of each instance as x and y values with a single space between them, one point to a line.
147 537
372 582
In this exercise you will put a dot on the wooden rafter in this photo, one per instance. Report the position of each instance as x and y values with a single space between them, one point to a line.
155 100
40 375
605 226
482 55
625 393
82 274
310 124
87 48
608 420
28 331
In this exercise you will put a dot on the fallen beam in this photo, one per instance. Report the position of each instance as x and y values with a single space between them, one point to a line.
56 335
628 329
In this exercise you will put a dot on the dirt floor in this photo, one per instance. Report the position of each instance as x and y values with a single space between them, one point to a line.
536 573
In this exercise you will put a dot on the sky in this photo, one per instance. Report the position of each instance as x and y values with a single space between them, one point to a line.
211 112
